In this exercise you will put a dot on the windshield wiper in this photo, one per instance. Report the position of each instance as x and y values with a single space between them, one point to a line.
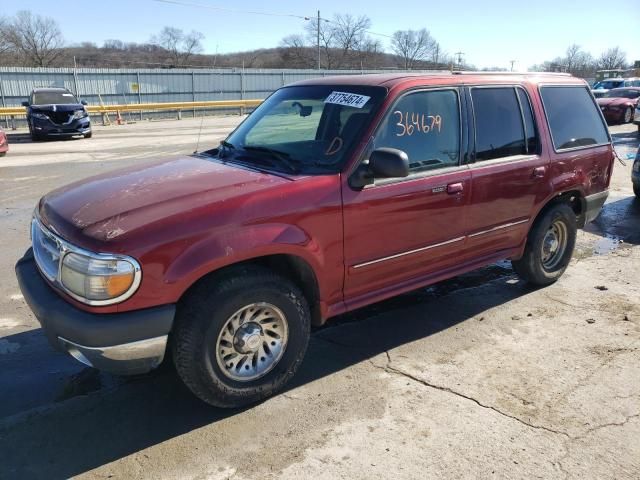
283 157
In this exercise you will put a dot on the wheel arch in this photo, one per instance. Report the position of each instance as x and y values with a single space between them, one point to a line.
291 266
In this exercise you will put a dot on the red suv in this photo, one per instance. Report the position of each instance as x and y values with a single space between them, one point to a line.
333 194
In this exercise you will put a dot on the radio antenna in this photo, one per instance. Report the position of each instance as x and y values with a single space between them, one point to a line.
199 133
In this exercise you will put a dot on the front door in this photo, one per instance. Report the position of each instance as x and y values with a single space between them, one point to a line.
398 231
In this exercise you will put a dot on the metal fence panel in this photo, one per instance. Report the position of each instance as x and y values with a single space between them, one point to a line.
116 86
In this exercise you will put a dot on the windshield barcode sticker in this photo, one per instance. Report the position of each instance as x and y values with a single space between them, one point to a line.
347 99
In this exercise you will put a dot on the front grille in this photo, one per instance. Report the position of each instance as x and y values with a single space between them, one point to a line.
58 117
46 250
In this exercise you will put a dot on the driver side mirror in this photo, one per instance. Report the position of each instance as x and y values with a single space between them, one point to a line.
83 102
383 163
25 103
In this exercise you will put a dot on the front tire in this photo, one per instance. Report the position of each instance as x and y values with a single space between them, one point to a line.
240 337
549 247
88 135
628 115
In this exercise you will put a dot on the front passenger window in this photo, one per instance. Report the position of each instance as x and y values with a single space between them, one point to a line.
425 125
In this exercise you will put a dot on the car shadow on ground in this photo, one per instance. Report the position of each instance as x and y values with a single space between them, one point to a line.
15 138
83 431
619 221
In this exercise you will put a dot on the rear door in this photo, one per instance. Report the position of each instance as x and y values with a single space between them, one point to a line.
398 231
509 172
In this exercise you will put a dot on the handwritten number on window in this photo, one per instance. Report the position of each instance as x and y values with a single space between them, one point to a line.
411 122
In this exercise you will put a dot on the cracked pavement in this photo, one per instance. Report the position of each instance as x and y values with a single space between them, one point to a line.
476 377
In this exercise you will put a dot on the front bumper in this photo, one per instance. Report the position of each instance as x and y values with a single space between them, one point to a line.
46 128
121 343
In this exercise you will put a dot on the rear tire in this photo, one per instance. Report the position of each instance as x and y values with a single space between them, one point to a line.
240 337
549 247
628 115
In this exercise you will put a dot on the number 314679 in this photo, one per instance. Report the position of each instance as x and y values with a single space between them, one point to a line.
409 123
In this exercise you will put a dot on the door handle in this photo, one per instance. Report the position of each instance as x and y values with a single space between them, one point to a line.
454 188
539 172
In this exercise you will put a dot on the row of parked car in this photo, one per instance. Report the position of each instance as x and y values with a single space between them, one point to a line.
618 99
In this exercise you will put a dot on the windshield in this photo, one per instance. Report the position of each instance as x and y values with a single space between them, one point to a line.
306 129
607 84
58 97
622 93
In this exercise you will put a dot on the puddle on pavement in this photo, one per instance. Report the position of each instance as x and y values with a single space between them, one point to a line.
7 347
607 245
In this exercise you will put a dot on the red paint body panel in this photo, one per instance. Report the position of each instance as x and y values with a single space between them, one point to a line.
184 218
4 143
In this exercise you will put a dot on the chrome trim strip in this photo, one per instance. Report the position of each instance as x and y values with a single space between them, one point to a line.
499 227
398 255
66 247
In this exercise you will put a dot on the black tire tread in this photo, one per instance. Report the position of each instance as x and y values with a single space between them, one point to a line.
529 267
188 334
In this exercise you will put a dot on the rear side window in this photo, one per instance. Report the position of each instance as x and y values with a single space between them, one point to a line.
573 117
500 131
425 125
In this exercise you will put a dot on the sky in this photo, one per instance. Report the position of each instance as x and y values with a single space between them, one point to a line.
491 33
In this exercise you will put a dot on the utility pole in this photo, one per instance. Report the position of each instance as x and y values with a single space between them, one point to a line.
459 54
318 39
512 62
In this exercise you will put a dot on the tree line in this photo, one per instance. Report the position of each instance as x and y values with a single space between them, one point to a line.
580 63
343 41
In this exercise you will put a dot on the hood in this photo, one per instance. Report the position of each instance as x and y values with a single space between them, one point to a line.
613 101
109 207
65 107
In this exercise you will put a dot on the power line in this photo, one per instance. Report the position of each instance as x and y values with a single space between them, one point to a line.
260 12
232 10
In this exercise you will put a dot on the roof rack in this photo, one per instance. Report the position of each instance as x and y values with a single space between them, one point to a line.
497 72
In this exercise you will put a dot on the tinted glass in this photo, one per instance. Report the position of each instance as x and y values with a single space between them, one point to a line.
499 129
425 125
573 117
53 98
310 128
531 131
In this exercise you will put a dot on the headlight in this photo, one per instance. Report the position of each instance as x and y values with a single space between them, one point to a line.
79 114
96 280
41 116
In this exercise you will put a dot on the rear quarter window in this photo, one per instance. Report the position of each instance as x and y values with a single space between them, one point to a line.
573 116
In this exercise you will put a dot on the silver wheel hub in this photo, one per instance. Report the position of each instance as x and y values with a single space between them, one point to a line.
554 245
252 341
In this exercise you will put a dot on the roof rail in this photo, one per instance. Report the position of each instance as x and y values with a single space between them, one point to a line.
497 72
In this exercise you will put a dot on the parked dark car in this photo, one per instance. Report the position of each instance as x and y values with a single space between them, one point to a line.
4 143
618 105
333 194
56 112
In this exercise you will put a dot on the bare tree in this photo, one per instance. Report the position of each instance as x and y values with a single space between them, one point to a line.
180 46
5 45
35 38
413 46
327 39
350 34
612 58
295 52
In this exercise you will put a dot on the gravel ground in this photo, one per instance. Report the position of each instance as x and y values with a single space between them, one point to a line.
476 377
